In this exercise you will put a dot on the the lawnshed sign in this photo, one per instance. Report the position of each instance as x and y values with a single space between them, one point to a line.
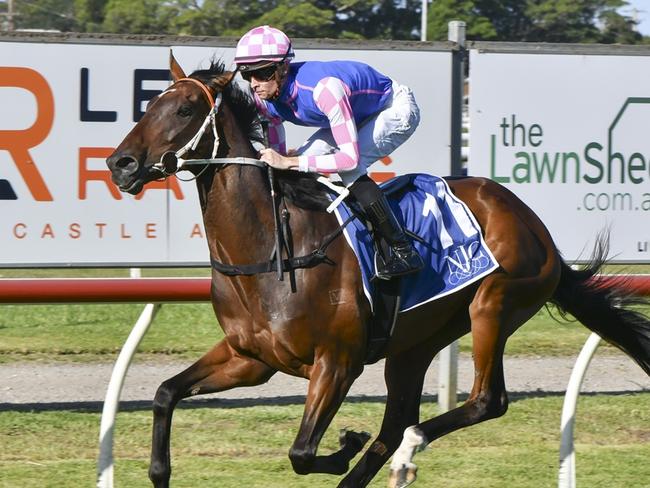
65 106
568 133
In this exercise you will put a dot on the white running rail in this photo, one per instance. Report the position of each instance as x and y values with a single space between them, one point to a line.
567 476
111 403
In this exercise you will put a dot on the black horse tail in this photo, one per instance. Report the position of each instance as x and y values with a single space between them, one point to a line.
604 306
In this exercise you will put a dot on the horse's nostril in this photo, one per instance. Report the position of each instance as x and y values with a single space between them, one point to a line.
125 162
122 162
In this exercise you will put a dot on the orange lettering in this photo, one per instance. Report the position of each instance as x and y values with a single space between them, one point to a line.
20 235
18 142
151 231
100 227
196 231
381 176
123 232
75 231
86 175
47 231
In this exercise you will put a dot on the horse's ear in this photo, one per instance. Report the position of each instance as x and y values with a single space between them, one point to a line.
222 81
175 68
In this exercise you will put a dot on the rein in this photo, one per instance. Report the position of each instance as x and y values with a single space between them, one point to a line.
276 262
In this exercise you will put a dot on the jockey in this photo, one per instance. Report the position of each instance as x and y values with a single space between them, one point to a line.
362 116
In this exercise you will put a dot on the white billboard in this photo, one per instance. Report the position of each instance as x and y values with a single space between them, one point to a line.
64 107
568 133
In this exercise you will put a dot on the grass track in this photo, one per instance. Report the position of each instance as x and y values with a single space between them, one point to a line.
227 447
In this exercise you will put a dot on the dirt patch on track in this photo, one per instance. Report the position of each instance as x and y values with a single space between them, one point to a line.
53 383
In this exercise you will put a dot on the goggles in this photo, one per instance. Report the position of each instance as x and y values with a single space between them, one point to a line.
267 72
261 74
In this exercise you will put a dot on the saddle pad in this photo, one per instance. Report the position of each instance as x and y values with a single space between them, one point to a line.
454 251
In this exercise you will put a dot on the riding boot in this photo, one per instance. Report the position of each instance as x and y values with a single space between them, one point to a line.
403 259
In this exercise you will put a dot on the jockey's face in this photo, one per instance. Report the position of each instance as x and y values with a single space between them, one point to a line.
266 90
267 87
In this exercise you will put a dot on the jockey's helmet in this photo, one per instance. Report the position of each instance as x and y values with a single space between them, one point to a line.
262 46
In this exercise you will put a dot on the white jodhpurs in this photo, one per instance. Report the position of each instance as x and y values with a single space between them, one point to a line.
378 136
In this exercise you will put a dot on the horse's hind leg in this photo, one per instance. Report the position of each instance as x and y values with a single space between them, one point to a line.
218 370
493 319
404 374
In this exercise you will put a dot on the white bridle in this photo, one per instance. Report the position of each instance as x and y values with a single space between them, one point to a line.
210 119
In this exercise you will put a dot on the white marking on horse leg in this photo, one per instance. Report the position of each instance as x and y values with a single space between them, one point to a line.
412 442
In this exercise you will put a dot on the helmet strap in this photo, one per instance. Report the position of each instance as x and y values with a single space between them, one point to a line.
280 76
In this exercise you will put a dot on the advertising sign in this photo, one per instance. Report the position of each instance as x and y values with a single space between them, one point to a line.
568 133
65 107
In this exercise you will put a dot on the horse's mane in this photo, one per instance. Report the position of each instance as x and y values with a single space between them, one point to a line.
300 188
241 103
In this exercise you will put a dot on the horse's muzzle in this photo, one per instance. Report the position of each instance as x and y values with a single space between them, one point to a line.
124 170
122 163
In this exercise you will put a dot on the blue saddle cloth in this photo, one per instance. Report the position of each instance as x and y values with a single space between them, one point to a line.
454 251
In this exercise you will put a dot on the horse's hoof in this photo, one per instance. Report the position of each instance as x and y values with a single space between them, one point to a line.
351 439
404 476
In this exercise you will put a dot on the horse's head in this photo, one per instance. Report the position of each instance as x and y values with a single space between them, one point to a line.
171 122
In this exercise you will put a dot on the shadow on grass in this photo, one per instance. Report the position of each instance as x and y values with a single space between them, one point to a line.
195 403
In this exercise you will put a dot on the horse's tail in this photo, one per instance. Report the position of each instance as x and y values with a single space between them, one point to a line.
603 306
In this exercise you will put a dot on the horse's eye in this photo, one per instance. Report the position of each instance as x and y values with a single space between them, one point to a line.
184 111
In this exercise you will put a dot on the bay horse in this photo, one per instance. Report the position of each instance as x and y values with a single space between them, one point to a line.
318 330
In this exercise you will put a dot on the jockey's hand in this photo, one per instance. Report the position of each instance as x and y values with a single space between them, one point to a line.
277 160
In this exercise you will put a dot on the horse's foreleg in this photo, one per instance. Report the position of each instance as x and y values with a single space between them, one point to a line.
218 370
404 376
330 380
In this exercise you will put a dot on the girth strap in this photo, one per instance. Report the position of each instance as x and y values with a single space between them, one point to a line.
310 260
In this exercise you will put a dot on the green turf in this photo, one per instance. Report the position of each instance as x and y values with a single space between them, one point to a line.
96 333
247 446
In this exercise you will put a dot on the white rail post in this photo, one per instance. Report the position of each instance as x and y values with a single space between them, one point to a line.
448 357
111 403
567 475
423 20
112 400
448 377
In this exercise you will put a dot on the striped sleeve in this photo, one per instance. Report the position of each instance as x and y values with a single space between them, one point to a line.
277 136
332 98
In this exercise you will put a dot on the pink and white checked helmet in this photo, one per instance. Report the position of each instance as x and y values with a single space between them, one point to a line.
262 46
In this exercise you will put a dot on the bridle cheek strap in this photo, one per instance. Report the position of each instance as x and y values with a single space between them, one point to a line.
209 119
215 103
